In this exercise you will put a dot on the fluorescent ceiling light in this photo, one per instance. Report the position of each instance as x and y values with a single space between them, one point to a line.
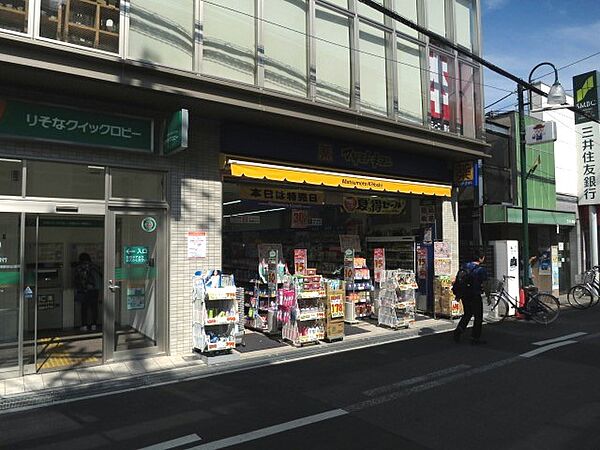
248 213
233 202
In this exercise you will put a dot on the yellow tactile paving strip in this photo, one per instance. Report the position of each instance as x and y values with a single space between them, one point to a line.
54 355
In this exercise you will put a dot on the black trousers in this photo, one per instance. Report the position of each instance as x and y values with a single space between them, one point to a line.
89 307
473 307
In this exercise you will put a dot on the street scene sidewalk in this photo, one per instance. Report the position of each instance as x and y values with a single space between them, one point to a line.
51 387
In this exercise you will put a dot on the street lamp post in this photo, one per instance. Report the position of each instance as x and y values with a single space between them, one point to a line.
556 96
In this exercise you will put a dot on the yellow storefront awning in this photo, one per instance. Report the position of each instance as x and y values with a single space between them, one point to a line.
260 171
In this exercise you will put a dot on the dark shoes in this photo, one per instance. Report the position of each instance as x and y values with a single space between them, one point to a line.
478 342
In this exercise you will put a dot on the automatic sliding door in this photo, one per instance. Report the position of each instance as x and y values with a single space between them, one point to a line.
10 291
64 257
136 286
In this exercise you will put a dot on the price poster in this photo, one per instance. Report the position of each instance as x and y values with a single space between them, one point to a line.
300 261
336 303
349 266
378 263
197 243
299 218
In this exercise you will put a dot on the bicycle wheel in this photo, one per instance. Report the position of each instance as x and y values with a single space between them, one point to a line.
499 310
543 308
580 297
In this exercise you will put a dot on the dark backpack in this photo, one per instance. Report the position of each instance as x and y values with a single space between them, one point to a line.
463 283
84 278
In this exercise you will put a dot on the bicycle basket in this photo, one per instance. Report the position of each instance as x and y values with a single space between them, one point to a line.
588 276
492 286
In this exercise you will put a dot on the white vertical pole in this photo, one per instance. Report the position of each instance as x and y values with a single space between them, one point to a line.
593 257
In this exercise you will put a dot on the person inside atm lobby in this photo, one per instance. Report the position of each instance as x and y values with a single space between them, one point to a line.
87 281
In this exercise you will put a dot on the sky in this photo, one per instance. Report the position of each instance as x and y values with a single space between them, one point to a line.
519 34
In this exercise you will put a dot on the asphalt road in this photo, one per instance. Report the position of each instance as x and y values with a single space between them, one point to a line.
427 393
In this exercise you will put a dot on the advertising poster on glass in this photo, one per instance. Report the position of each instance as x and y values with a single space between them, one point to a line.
300 261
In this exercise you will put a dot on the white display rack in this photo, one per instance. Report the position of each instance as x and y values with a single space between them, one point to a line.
307 323
397 300
359 296
215 315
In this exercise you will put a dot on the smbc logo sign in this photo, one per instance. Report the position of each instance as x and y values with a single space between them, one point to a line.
586 95
587 87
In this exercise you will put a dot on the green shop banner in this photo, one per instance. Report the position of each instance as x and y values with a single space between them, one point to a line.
75 126
176 132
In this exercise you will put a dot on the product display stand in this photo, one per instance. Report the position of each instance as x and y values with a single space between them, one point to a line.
261 309
215 313
359 303
396 300
308 312
446 305
334 310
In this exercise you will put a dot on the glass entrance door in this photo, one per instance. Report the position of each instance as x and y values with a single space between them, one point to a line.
64 259
10 291
135 316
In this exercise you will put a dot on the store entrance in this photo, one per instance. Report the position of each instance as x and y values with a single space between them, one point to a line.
63 291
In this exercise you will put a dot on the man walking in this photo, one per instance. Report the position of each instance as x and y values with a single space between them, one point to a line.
474 275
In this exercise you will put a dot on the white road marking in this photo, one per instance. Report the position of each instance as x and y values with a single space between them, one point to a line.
415 385
429 385
546 348
269 431
561 338
415 380
184 440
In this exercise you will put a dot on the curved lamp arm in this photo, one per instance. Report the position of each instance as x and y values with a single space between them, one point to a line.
556 95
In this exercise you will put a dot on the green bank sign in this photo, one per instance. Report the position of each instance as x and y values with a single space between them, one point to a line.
585 90
75 126
176 132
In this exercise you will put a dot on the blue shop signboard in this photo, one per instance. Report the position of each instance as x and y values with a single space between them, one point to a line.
275 145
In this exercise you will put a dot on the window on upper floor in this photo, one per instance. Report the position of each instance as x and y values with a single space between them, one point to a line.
87 23
409 10
372 70
162 32
332 59
464 23
468 118
14 16
409 73
370 13
436 16
442 95
285 46
229 43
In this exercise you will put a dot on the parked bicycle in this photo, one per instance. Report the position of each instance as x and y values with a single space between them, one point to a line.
587 293
539 306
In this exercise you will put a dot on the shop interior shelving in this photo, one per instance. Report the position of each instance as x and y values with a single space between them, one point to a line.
400 251
215 316
307 323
